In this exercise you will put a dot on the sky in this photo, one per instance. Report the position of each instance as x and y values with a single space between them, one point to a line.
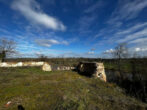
74 28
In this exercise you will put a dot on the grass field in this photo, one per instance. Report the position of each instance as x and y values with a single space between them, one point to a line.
128 65
60 90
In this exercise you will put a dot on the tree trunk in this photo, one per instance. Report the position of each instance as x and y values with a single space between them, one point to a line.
3 56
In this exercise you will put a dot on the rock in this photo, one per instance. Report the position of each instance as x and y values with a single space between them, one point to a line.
46 67
58 68
64 68
72 68
92 69
8 103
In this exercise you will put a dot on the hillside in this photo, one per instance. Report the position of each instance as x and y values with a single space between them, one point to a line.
60 90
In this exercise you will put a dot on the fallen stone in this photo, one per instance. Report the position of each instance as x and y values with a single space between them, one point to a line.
46 67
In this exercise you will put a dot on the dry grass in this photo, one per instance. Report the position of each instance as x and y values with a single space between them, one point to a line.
60 90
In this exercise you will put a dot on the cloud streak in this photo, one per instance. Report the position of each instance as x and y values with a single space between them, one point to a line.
132 29
30 9
126 10
140 49
49 43
95 6
141 41
110 51
134 36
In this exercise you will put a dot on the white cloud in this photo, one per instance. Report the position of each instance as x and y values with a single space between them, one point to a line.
137 49
109 51
91 52
140 49
126 10
49 43
135 35
132 29
132 8
31 10
140 40
139 34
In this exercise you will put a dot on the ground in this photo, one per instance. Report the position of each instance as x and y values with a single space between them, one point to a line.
60 90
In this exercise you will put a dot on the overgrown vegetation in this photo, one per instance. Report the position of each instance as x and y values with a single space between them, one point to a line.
60 90
137 84
6 47
136 67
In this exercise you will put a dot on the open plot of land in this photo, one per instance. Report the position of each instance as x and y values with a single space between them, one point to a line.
60 90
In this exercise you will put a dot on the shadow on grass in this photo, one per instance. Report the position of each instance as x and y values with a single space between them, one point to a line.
82 73
20 107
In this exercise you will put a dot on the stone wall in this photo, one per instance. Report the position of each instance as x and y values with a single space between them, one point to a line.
62 68
94 69
45 65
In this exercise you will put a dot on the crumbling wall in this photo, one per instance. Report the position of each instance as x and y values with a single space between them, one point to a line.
63 68
45 65
94 69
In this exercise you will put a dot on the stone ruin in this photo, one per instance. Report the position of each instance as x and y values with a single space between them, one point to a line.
94 69
45 65
55 67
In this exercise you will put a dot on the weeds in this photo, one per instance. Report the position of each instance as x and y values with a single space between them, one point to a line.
60 90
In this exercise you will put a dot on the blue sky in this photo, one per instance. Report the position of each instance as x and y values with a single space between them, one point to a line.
73 28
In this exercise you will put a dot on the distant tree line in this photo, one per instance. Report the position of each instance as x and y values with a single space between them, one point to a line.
137 85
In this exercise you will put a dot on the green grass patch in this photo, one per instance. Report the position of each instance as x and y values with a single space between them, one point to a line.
60 90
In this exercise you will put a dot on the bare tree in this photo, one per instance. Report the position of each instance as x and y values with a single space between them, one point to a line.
120 52
42 57
7 47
